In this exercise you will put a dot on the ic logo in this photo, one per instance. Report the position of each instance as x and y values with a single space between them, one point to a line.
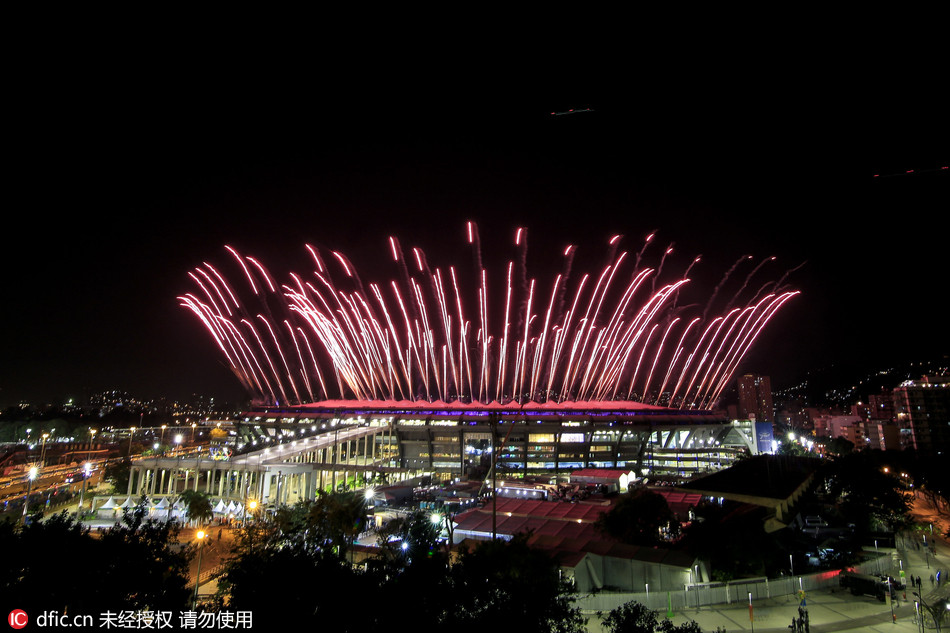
18 618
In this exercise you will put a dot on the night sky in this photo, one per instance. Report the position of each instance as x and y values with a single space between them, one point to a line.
117 188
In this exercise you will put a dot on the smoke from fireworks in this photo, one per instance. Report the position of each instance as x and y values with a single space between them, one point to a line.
433 334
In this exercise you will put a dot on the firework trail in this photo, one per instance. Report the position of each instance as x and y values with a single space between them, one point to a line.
686 275
778 285
566 276
722 283
426 335
613 244
781 282
473 239
748 278
521 243
646 242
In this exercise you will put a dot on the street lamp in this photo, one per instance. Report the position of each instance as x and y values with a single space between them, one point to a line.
173 488
82 491
200 535
250 505
131 437
43 450
935 611
29 489
890 598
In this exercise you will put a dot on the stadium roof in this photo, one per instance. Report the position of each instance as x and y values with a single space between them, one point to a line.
619 408
585 405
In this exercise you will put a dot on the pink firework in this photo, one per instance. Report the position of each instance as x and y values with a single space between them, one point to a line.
616 334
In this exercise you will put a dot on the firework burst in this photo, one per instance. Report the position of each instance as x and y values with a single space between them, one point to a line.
428 335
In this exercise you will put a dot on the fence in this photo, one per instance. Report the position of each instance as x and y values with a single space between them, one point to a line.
707 594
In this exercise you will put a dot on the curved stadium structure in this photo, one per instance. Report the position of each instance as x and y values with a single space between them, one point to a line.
454 440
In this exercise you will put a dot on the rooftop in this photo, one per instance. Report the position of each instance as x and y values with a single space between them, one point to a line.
763 476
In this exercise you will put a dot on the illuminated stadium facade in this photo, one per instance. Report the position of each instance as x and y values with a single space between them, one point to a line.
454 440
288 454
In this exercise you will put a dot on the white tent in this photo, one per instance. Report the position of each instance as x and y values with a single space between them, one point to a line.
160 509
177 510
108 509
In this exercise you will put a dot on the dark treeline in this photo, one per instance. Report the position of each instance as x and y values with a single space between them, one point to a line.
306 552
56 564
298 567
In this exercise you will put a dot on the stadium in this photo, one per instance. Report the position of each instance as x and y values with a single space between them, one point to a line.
287 454
355 382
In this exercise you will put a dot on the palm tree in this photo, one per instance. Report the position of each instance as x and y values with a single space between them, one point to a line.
198 505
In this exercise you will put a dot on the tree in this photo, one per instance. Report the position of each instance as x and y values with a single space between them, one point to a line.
306 542
507 584
867 492
633 617
839 446
147 551
667 626
637 518
502 583
730 538
934 483
341 516
330 522
409 537
791 448
118 474
132 566
198 506
412 569
31 570
299 587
